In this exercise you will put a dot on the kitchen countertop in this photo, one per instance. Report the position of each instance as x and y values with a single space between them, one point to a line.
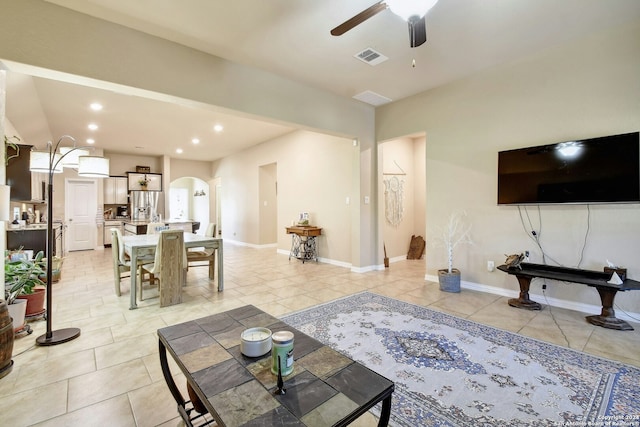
167 221
31 227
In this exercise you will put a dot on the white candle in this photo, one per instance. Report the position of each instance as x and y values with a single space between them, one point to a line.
255 342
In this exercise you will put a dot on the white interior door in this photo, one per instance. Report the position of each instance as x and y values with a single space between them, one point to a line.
81 201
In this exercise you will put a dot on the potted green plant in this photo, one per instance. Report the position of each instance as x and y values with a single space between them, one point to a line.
456 232
22 277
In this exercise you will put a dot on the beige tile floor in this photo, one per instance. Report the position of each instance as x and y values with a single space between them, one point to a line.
111 375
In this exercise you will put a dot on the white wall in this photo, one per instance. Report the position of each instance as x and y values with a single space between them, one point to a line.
585 89
268 204
314 175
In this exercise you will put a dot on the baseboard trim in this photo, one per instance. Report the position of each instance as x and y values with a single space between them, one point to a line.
320 259
251 245
541 298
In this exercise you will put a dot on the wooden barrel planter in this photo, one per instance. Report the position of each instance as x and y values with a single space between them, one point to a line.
6 340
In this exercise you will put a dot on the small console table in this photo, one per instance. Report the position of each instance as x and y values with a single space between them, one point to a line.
596 279
303 242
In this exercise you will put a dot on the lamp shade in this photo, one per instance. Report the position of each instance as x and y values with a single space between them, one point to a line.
408 8
5 214
70 156
39 161
93 167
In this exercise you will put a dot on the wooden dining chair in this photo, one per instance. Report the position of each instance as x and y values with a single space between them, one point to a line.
168 267
202 254
156 227
120 264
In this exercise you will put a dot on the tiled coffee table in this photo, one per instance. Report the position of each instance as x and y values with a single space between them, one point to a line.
325 388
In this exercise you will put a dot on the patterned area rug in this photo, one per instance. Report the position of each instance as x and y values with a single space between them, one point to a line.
453 372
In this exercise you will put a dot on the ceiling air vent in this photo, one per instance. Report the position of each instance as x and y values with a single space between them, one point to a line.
370 56
372 98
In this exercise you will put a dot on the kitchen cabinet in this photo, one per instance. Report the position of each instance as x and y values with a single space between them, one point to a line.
108 225
25 185
39 186
155 181
115 190
34 237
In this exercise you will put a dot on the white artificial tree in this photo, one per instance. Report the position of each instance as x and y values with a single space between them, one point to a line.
456 231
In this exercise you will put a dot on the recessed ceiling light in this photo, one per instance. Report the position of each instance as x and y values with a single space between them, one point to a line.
95 106
91 141
93 126
195 141
179 150
218 128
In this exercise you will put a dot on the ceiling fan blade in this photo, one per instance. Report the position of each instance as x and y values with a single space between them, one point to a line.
359 18
417 31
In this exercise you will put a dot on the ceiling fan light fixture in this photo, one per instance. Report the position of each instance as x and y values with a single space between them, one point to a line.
409 8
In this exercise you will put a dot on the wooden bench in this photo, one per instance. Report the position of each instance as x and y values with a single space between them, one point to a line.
596 279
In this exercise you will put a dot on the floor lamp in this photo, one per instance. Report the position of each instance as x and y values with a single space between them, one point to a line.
50 162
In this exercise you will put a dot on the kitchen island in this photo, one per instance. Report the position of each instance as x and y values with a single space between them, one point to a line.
135 227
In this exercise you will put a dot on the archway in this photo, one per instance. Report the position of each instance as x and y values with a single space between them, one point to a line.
189 200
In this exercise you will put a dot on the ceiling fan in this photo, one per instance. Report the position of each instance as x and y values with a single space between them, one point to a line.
412 11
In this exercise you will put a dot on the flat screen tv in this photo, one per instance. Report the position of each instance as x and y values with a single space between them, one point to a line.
595 170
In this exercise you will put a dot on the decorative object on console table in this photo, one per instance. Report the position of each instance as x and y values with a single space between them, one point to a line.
51 161
619 271
456 232
514 260
304 219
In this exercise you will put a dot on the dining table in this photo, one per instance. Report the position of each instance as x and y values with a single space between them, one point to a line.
142 247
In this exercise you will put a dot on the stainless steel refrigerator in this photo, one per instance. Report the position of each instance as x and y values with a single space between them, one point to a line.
144 205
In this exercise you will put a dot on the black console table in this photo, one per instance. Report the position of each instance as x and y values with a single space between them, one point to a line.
596 279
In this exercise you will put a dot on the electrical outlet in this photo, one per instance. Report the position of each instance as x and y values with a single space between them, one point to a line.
526 256
490 265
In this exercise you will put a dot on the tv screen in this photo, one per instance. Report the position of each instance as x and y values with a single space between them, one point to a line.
596 170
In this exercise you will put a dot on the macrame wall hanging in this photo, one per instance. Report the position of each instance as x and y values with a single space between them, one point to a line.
394 196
